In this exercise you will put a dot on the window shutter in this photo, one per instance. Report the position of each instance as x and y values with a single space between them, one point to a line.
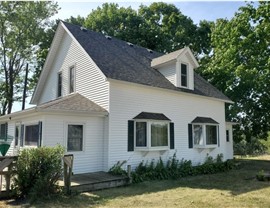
130 136
39 133
190 136
171 135
22 135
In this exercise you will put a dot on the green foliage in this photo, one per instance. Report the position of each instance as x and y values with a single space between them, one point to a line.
254 147
22 26
239 66
117 169
159 26
175 169
38 170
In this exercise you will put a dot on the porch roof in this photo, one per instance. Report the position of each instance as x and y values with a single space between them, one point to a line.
73 103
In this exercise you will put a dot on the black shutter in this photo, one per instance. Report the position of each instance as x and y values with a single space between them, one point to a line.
190 136
22 135
130 136
39 133
218 136
171 135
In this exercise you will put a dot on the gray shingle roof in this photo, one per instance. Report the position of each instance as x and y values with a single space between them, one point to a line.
204 120
118 60
152 116
72 102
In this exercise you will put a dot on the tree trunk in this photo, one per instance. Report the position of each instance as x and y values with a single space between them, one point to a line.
25 87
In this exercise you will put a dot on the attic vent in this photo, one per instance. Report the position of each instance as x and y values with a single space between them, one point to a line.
108 37
149 50
130 44
83 29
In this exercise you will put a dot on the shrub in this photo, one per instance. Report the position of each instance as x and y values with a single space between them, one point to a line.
37 173
254 147
117 169
175 169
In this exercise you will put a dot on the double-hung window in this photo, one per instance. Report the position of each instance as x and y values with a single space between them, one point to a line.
151 134
31 135
184 75
59 85
71 79
74 137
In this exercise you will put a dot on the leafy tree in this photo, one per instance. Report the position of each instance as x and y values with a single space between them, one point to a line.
160 26
21 26
240 66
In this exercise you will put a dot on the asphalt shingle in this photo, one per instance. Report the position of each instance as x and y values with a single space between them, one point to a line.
127 62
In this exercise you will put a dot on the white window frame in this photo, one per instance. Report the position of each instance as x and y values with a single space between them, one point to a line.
24 133
148 135
180 75
60 72
66 136
74 81
204 145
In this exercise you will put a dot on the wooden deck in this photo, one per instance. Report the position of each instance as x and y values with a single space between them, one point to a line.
95 181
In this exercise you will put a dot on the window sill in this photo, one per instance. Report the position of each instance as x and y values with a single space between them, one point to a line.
151 149
205 146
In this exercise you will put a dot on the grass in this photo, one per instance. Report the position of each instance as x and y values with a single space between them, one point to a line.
236 188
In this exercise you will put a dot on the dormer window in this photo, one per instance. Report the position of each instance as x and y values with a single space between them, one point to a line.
184 75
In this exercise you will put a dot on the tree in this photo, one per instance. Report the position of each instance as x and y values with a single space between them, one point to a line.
21 26
240 66
160 26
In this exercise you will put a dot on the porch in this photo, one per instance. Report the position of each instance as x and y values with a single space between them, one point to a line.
94 181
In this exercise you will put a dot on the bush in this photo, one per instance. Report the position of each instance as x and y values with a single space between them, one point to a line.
38 170
175 169
117 169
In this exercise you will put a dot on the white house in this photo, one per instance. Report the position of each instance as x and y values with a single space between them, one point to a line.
106 100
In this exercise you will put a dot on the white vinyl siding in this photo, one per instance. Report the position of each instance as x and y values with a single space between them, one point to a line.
128 100
89 80
168 71
90 159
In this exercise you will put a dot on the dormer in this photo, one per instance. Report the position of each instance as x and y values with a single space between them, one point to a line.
178 67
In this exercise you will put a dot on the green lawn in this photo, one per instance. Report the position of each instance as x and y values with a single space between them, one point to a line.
236 188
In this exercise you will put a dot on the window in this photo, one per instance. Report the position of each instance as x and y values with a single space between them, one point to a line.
151 134
71 79
141 134
17 134
3 131
205 135
31 135
227 135
59 85
184 75
75 138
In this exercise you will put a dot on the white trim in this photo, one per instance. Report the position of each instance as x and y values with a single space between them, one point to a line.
32 123
187 76
83 124
72 67
204 145
148 135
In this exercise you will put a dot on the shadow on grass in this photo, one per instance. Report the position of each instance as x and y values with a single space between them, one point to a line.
238 181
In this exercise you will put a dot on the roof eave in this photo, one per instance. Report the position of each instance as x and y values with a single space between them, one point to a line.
46 67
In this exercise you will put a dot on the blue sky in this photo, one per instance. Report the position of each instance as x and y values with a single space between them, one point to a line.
196 10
